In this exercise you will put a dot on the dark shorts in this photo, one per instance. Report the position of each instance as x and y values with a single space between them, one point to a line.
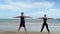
22 24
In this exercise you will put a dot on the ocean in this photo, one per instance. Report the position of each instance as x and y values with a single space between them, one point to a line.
28 21
32 25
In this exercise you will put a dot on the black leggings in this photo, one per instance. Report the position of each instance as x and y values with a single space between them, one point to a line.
46 27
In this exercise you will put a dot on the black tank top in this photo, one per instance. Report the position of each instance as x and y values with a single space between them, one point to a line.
45 19
22 19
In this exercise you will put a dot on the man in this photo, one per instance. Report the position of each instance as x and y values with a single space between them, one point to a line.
22 22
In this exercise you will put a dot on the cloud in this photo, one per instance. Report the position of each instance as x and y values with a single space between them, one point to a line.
35 9
52 13
11 5
33 5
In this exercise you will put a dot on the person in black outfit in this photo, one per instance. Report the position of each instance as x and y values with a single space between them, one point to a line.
22 22
45 23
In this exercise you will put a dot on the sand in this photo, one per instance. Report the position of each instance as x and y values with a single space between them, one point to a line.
11 32
31 28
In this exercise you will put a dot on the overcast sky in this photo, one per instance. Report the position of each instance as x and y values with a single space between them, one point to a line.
34 8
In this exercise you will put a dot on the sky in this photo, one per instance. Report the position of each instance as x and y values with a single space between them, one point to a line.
33 8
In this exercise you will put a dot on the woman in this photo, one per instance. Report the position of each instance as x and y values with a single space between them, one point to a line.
45 23
22 21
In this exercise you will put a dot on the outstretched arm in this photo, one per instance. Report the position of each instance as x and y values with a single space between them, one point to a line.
40 18
17 17
50 18
27 17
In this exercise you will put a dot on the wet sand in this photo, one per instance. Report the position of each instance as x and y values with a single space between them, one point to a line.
12 32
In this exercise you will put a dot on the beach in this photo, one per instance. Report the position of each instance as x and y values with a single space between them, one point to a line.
11 32
31 29
11 27
33 16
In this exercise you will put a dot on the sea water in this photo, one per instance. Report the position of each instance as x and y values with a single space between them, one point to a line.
31 25
28 21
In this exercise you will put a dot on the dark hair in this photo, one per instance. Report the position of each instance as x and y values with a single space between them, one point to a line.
45 14
22 13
